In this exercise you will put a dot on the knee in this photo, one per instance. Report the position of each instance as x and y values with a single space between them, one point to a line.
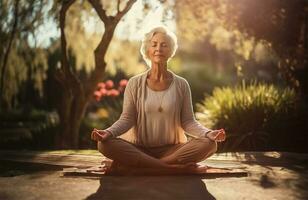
207 147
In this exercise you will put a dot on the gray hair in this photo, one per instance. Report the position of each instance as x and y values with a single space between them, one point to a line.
147 39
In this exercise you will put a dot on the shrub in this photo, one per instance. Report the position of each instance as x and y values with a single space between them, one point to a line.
34 129
104 111
255 117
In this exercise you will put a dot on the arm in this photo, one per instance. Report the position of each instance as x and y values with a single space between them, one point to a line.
188 121
128 116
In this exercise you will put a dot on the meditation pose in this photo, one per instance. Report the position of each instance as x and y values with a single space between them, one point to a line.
157 111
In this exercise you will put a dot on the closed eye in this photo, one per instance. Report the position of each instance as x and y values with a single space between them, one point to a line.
162 44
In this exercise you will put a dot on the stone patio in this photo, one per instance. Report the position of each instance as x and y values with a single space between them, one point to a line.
38 175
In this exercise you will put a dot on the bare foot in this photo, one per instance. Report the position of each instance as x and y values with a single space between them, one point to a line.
114 168
190 168
183 166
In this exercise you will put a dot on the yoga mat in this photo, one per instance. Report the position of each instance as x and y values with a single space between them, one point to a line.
98 171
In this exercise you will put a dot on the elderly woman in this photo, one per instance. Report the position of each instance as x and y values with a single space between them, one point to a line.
157 111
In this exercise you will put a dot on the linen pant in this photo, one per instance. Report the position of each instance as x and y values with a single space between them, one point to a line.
129 154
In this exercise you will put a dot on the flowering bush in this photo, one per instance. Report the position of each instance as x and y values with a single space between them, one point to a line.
108 96
104 110
107 89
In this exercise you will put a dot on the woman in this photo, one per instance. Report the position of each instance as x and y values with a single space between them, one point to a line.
157 111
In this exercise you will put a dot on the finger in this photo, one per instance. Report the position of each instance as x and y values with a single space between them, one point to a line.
223 135
217 135
97 136
222 138
92 135
221 132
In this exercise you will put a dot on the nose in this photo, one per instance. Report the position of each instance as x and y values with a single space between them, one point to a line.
158 48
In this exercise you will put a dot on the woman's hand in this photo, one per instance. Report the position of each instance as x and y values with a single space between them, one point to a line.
217 135
100 135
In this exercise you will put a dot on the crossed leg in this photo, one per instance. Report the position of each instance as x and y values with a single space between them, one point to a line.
193 151
130 155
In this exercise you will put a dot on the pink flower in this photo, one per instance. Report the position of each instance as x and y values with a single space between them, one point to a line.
97 95
123 83
101 85
113 93
103 91
109 84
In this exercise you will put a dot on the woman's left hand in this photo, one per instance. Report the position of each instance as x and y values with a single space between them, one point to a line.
217 135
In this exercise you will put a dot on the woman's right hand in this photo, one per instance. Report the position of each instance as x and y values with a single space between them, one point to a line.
100 135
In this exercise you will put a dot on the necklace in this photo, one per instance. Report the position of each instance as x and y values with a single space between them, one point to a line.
160 108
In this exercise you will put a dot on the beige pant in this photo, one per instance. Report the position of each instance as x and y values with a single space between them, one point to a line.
129 154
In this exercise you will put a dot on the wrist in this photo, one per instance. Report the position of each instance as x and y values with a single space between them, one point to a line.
207 132
110 135
206 135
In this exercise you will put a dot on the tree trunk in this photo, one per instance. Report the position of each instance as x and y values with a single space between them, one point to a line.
71 111
75 94
69 127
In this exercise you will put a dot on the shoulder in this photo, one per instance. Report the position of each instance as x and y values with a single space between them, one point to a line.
181 81
134 80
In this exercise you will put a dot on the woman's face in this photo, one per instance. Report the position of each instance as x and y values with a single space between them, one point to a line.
159 49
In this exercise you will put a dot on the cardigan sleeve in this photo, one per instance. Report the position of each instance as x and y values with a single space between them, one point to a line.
128 116
188 121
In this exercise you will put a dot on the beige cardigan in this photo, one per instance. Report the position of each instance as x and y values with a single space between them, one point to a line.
132 121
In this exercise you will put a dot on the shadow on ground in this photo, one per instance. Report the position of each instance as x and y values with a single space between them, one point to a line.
275 164
151 187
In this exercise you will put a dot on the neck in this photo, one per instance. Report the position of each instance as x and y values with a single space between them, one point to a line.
158 72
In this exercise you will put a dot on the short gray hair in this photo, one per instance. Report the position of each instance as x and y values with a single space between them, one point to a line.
149 35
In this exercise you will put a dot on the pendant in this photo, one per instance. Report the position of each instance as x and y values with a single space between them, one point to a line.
160 109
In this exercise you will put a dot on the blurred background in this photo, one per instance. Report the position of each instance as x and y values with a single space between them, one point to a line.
246 62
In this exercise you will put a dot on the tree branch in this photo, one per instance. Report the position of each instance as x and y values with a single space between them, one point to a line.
64 58
73 82
118 5
96 4
128 6
37 16
100 51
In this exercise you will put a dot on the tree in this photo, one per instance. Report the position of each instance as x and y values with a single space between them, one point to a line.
18 58
75 93
239 26
282 25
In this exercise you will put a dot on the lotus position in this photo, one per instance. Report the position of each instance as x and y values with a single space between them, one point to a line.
157 112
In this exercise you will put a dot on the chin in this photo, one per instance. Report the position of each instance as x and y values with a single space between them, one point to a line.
159 61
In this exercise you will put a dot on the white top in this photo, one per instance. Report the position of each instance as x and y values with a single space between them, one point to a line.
159 125
132 124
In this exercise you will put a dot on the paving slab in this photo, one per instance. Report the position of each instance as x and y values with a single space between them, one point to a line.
271 175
